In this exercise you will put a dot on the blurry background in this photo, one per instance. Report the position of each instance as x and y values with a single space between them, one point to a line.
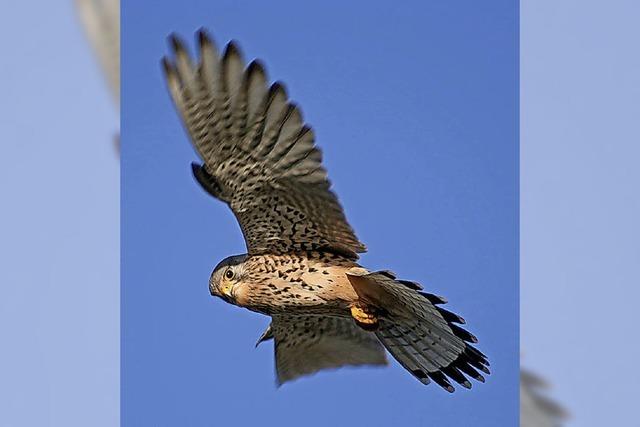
59 223
580 239
415 106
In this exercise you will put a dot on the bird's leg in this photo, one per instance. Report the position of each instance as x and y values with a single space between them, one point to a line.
365 316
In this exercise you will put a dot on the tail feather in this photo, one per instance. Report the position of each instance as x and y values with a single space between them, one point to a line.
405 358
425 339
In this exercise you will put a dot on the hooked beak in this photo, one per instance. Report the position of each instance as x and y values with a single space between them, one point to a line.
224 292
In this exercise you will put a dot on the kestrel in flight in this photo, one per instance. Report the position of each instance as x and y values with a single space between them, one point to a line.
301 262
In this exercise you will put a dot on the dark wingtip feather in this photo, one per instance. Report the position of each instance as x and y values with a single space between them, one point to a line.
439 378
464 365
434 299
466 384
387 273
295 107
453 373
255 66
450 317
195 167
203 37
478 365
166 66
231 50
474 353
276 87
463 334
421 376
411 284
176 43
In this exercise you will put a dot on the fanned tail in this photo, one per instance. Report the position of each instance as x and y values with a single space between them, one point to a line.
423 337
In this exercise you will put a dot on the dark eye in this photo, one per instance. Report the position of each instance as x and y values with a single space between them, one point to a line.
228 274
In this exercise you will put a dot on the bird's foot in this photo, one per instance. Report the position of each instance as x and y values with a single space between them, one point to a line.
365 317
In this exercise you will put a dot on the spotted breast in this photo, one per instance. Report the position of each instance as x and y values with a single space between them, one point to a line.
311 283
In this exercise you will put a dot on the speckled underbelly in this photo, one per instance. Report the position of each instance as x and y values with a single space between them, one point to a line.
312 283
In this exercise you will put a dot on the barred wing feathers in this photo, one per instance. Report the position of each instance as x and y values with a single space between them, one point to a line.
305 345
259 156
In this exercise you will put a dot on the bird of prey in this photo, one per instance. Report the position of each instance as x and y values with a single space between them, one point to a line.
301 265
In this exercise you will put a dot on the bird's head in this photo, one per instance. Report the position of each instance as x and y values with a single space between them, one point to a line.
226 276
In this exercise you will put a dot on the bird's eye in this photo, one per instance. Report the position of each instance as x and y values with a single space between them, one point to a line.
228 274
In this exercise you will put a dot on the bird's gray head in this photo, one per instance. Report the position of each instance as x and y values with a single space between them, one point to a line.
227 274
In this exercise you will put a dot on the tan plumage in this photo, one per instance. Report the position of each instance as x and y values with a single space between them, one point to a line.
327 311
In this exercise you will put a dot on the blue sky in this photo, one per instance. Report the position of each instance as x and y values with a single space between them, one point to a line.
59 240
416 110
580 210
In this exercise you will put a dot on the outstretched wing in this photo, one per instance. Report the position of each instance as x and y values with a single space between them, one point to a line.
307 344
423 337
258 154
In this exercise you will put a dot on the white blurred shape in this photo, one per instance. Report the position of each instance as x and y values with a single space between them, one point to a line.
101 20
59 226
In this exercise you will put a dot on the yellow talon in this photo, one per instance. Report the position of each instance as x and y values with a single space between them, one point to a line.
364 317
